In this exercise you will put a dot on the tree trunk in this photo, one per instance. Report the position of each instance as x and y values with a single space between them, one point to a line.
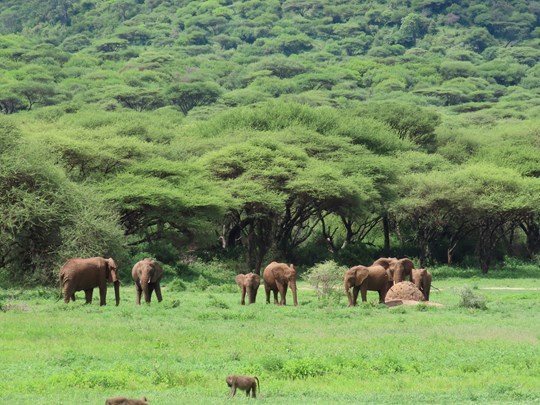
386 230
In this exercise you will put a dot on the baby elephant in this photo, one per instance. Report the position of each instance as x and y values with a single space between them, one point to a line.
126 401
245 383
248 283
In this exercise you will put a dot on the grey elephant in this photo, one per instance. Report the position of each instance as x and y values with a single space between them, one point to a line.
398 269
277 278
422 280
147 275
362 279
86 274
248 283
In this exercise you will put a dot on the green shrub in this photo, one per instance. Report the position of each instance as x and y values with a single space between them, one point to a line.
471 300
201 283
325 278
177 285
304 368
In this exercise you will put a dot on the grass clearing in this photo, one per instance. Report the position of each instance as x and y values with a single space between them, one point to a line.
181 350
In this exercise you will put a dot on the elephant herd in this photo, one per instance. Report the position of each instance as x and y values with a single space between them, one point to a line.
86 274
380 277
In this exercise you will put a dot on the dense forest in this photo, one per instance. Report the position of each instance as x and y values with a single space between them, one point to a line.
247 131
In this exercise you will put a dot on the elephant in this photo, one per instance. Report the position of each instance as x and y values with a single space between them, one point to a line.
422 280
277 277
147 275
85 274
248 283
397 269
362 279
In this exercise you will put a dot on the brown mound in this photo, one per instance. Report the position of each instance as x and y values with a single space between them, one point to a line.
404 291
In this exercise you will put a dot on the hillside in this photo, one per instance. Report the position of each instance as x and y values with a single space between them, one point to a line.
245 131
475 56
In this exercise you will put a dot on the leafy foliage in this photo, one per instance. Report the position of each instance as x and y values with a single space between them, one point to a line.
248 130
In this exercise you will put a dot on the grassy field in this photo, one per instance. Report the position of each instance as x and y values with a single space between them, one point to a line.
180 351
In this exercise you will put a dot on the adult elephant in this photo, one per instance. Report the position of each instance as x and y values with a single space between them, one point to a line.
86 274
397 269
248 283
422 280
362 278
278 277
147 275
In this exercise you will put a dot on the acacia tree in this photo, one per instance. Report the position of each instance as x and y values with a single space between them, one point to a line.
46 218
431 206
190 95
499 199
164 201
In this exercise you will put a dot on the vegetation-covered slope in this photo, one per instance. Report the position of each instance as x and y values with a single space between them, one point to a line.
478 55
251 130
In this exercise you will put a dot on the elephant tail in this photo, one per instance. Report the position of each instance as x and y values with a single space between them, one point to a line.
258 383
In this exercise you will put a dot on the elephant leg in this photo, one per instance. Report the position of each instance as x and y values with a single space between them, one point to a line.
88 295
283 295
267 291
157 287
243 301
425 290
381 296
72 297
103 295
356 290
275 291
138 289
363 291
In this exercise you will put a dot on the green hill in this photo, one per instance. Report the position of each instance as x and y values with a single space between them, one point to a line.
254 130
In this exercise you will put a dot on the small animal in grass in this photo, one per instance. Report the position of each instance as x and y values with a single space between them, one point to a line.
126 401
245 383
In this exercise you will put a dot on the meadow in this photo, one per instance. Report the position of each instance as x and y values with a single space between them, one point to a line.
321 352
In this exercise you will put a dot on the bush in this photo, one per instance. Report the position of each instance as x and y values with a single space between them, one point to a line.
177 285
325 278
471 300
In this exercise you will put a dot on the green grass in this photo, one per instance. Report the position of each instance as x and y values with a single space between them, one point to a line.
180 351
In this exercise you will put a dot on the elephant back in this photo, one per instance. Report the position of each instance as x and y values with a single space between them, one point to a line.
81 271
278 271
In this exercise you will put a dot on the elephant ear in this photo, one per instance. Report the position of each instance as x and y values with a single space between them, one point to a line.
407 264
158 272
362 273
110 266
279 273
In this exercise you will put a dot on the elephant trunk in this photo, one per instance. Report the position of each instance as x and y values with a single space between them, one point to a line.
145 285
292 284
249 291
117 291
398 276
